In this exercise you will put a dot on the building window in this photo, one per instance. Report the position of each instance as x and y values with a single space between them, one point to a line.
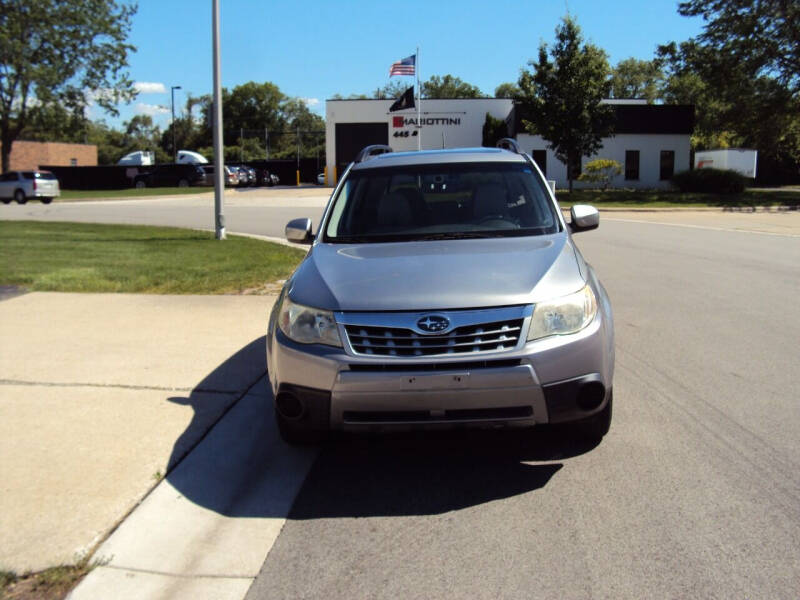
540 158
667 164
73 162
631 164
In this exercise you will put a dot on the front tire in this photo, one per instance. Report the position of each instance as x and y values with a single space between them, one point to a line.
19 197
140 185
183 183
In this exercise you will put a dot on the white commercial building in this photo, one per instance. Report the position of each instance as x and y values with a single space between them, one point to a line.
650 141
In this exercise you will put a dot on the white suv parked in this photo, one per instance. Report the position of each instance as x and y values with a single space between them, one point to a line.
22 185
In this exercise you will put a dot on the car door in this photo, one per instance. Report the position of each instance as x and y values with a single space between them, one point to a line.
8 183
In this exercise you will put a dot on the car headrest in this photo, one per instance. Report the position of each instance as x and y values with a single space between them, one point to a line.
489 199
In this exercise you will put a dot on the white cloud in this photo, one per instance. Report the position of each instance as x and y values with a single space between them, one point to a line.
150 109
310 102
150 87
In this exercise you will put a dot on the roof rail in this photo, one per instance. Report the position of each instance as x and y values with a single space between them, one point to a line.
370 151
509 144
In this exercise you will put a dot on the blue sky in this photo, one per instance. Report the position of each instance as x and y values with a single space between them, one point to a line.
313 49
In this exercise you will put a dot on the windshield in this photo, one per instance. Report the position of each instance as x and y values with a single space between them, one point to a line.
434 202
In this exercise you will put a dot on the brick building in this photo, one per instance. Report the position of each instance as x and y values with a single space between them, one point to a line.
32 155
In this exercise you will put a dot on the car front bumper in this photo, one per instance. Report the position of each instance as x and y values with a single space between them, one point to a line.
551 380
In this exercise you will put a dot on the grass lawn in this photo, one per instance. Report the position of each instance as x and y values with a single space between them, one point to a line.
130 193
76 257
657 199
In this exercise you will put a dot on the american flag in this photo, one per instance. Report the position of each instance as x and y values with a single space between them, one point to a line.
403 67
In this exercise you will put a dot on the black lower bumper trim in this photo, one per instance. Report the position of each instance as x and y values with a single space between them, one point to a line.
316 405
575 399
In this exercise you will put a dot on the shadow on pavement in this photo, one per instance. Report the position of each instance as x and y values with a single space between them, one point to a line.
429 473
241 467
225 383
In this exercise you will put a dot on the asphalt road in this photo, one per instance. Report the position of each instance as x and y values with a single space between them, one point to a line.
246 211
695 492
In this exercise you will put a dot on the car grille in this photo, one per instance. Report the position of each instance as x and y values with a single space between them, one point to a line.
390 341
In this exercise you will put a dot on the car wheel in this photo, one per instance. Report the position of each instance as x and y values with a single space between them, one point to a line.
183 183
297 433
597 426
6 200
19 197
46 200
140 185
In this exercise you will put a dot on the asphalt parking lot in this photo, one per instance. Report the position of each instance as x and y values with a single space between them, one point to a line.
695 492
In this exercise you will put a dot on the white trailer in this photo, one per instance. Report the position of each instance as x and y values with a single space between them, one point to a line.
740 160
138 158
192 158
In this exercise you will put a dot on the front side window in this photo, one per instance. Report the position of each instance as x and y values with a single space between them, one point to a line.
440 202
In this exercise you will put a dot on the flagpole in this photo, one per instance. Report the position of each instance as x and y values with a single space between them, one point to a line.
419 105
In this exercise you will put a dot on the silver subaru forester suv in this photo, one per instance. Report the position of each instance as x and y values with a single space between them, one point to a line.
442 288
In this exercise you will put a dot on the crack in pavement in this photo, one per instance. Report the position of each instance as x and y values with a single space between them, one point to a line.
179 575
118 385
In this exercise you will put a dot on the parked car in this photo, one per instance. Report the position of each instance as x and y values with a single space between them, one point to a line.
170 175
231 178
22 186
250 175
275 179
442 288
263 177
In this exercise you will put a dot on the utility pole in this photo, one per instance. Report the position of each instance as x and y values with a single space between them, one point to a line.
266 142
219 149
174 147
298 156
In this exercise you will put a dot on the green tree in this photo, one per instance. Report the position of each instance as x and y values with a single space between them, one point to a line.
507 90
250 106
449 86
494 130
760 36
53 122
562 96
66 52
733 107
634 78
601 170
392 90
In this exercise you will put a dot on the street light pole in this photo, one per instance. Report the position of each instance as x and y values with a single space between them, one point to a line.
174 149
219 149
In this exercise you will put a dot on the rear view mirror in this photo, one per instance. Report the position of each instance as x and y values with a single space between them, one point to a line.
299 231
583 217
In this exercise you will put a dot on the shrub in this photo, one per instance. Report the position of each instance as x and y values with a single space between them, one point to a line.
601 170
712 181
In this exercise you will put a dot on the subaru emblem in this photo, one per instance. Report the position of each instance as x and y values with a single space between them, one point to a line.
433 323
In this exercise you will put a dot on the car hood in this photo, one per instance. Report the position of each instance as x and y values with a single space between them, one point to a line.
437 275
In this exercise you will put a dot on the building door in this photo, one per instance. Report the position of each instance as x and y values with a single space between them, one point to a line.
352 137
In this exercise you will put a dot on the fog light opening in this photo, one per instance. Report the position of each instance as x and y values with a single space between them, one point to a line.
289 406
591 395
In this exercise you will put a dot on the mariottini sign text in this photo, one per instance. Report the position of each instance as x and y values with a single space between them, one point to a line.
398 121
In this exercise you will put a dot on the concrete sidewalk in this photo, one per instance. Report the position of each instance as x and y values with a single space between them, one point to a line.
100 395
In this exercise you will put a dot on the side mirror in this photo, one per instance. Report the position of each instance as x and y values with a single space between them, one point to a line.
583 218
299 231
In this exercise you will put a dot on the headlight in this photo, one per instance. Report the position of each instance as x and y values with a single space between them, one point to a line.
308 325
564 315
